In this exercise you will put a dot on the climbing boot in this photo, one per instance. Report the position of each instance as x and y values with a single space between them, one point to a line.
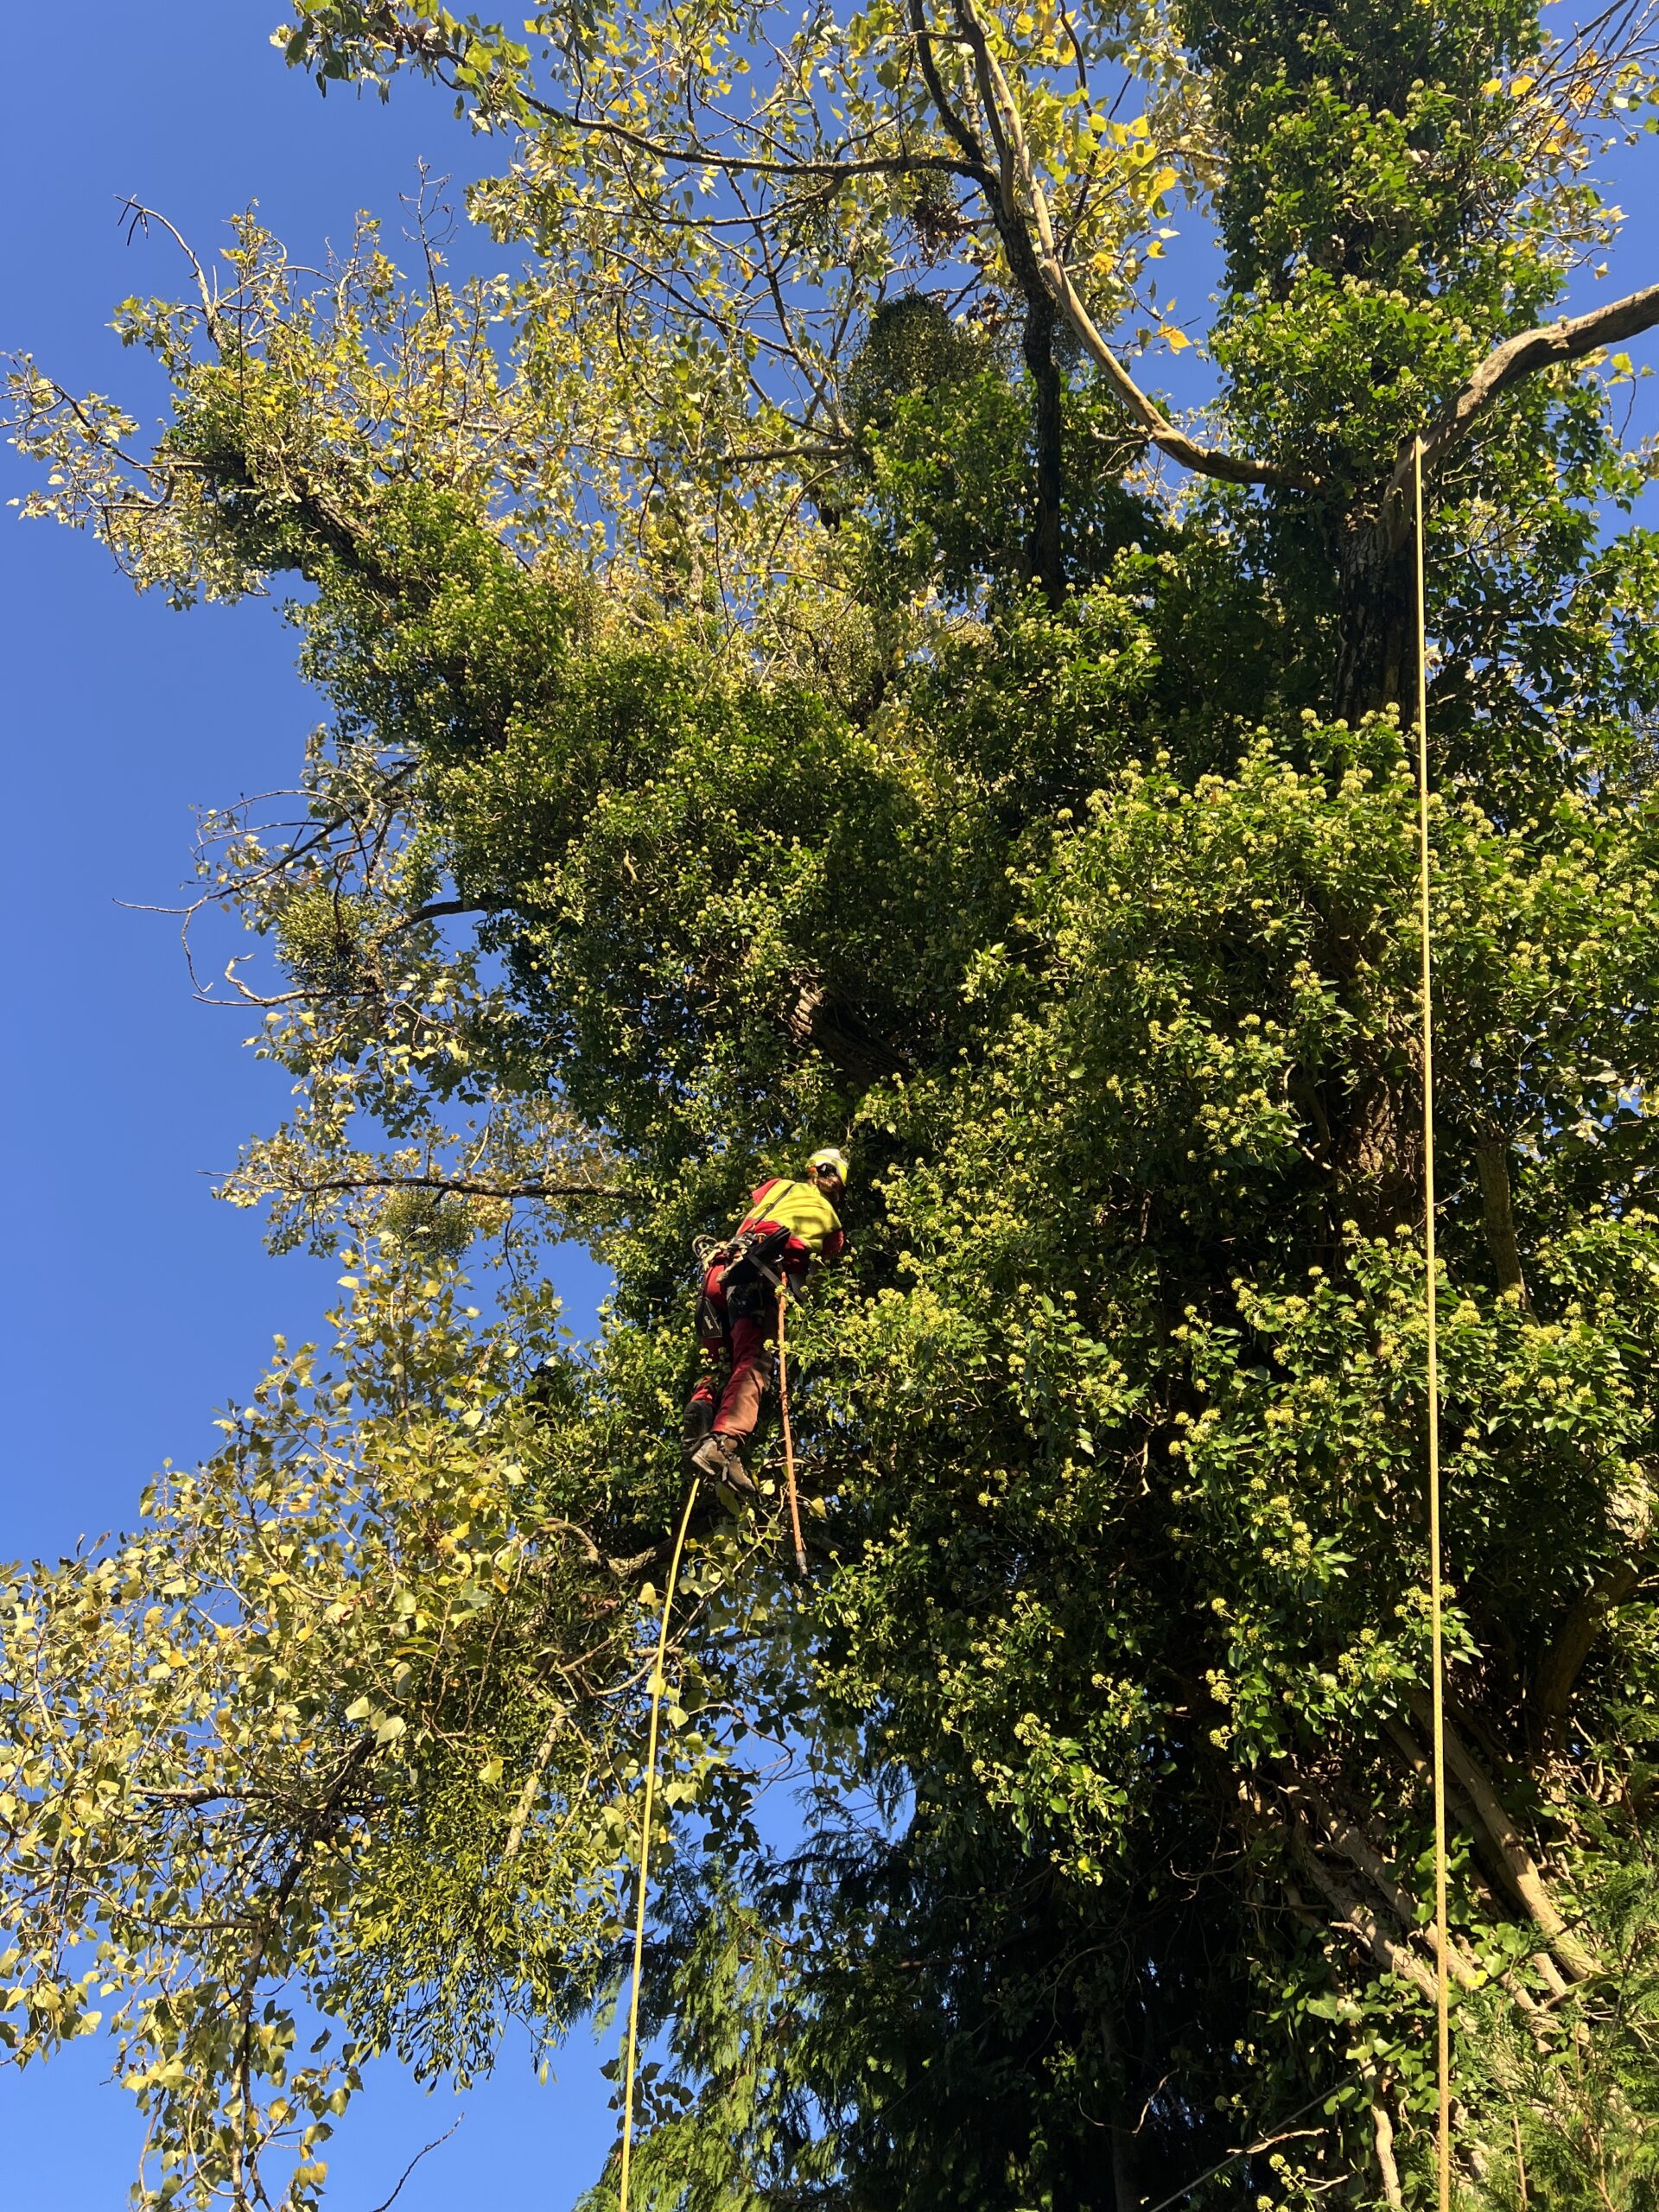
694 1426
720 1459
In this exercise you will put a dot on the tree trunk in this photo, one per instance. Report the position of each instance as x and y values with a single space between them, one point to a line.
1378 1156
1126 2190
1376 661
1498 1215
1044 559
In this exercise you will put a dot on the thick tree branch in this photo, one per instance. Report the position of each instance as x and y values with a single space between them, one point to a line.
956 125
1356 1918
464 1185
1519 1866
1382 2136
1544 347
1353 1916
533 1783
1204 461
1563 1663
1498 1215
1358 1849
434 912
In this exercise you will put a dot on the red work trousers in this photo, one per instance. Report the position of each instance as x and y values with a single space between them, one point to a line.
745 1316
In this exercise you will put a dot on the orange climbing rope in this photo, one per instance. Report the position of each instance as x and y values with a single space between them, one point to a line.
788 1443
1442 1939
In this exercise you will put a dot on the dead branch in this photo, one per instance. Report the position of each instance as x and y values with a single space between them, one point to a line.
1517 1862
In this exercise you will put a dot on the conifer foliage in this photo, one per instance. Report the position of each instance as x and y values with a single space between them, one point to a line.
792 679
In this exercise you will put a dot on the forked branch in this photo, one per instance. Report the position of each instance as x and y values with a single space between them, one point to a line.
1019 170
1515 1861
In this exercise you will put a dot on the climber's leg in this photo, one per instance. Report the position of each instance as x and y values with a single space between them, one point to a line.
739 1410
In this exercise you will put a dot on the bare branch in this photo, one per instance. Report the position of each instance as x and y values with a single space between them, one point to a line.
463 1185
436 2144
137 217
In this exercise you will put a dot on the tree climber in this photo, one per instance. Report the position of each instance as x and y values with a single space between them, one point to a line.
787 1227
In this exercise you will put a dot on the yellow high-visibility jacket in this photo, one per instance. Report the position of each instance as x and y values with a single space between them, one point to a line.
814 1226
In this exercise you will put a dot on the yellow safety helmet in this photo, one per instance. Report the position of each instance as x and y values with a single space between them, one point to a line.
829 1155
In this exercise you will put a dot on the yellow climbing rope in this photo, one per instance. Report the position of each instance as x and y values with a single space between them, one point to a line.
658 1683
1442 1939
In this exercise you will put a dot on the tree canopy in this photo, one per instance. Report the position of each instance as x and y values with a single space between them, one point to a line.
793 677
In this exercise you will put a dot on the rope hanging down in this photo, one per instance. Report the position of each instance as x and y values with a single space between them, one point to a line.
658 1683
789 1445
631 2050
1442 1940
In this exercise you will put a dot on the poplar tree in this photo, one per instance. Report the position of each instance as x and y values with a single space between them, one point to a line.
794 677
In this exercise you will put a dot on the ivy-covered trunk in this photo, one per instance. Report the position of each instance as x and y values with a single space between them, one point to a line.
1376 621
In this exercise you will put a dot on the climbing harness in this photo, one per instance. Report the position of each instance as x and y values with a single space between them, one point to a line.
747 1262
1437 1653
658 1683
789 1443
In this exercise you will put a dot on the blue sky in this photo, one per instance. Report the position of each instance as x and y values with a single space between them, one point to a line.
133 1304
